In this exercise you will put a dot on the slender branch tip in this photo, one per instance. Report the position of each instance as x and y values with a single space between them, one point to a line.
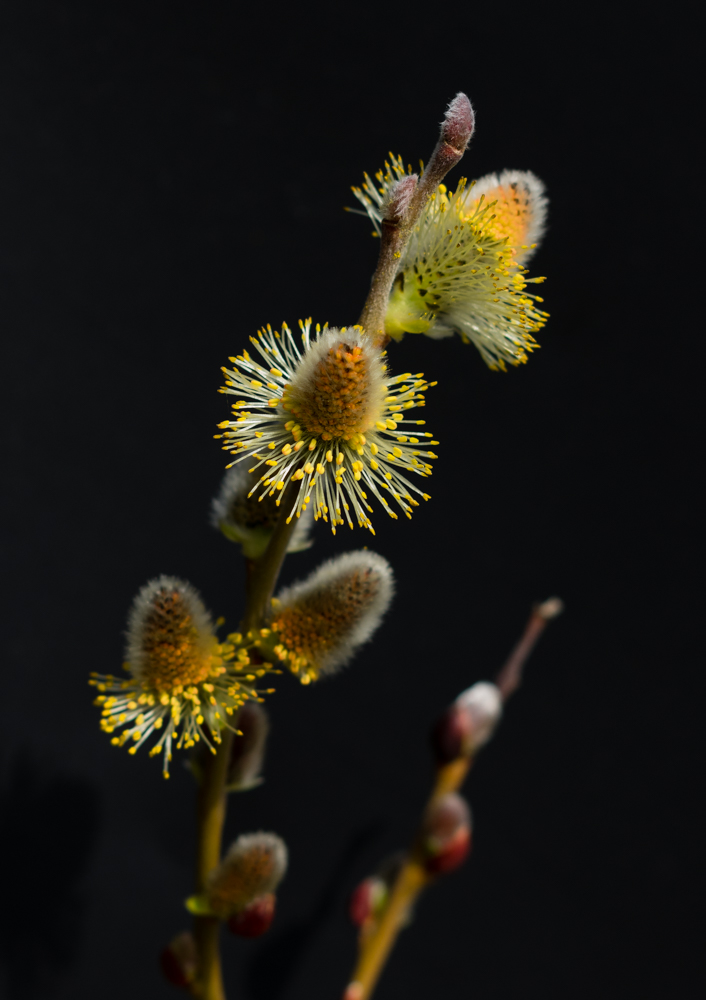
551 608
459 123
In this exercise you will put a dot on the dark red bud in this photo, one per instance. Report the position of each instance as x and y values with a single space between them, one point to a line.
178 961
366 899
446 833
450 736
255 919
453 853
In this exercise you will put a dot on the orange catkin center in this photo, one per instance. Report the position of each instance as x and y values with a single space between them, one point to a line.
173 654
235 885
318 623
336 403
513 213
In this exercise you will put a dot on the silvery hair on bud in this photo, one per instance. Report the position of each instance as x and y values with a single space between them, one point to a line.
326 577
398 197
446 815
144 605
459 122
531 185
241 850
234 488
484 705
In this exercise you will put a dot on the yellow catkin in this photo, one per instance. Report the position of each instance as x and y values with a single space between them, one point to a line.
318 623
336 405
173 654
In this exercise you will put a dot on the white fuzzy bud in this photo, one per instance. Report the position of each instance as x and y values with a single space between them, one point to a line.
254 866
483 706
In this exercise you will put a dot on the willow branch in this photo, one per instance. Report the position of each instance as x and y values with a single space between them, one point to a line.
377 942
211 811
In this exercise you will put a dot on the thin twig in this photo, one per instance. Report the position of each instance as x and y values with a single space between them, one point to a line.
509 678
404 206
377 943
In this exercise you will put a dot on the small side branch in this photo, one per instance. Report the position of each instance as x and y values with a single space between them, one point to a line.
404 206
509 678
376 942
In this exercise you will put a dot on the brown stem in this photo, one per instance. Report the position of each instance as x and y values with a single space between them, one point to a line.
261 579
392 243
509 678
405 207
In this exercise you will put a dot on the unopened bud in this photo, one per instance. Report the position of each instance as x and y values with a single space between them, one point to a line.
253 867
250 520
318 624
255 919
483 703
551 608
178 960
459 122
354 991
467 723
367 900
446 833
248 748
398 198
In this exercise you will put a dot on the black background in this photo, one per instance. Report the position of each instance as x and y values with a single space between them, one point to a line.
173 176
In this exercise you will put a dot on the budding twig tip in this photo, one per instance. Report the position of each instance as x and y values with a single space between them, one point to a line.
459 122
551 608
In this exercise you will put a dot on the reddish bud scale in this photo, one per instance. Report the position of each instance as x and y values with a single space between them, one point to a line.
178 961
255 919
459 122
452 854
365 900
450 735
400 197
